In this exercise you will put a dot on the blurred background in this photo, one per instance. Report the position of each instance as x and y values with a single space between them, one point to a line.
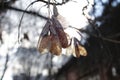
98 22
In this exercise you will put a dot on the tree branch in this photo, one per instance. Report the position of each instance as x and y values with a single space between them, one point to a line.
96 36
54 3
21 10
5 66
101 37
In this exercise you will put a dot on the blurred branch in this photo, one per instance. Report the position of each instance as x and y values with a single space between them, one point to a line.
1 39
100 37
96 36
21 10
5 66
63 2
95 27
114 36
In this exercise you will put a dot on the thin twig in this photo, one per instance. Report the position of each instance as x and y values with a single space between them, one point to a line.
100 37
51 3
5 66
96 36
28 12
22 19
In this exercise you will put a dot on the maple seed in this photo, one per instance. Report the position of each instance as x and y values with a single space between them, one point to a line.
61 34
44 40
79 50
55 48
44 44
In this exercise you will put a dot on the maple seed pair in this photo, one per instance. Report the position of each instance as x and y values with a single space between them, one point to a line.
79 50
52 38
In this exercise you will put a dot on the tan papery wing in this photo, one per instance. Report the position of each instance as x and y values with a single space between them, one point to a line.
44 44
82 50
56 48
44 39
61 34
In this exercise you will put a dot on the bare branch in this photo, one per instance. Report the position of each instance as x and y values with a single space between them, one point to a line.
5 66
97 36
51 3
28 12
101 37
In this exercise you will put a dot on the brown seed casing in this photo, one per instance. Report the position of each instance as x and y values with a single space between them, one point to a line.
79 50
44 44
82 50
56 48
61 34
44 39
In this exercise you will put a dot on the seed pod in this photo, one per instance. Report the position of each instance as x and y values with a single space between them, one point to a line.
55 48
79 50
55 43
61 34
44 44
44 39
82 50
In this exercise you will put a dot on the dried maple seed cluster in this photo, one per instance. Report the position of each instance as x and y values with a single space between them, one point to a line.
53 39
